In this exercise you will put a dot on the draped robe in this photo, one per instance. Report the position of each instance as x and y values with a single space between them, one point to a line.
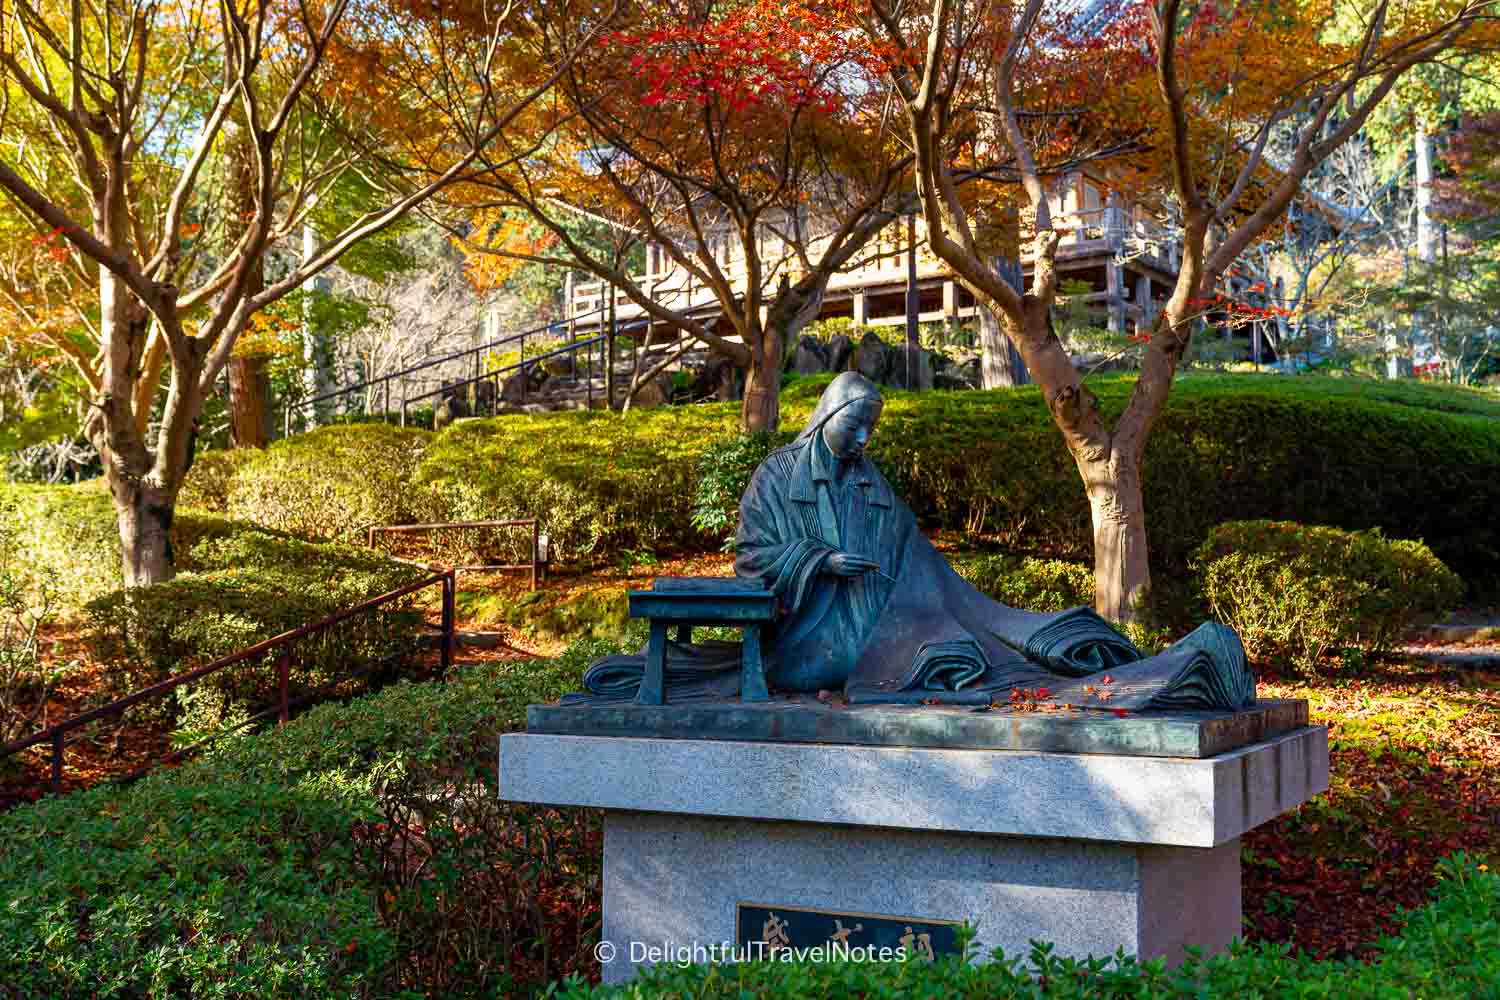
916 631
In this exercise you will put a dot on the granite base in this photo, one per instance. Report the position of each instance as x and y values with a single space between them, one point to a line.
1093 852
672 885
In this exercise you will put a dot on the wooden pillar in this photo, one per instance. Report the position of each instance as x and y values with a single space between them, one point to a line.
1114 280
1144 301
1000 364
609 350
913 303
1114 221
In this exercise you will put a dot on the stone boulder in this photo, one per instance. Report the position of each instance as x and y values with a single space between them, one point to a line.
562 365
840 353
522 384
656 392
716 378
811 357
870 359
450 407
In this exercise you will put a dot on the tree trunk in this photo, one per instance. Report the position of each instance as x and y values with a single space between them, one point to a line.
249 402
144 516
761 410
1122 573
249 382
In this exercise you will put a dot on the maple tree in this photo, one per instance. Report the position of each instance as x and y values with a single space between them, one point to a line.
748 141
1211 84
112 117
1471 197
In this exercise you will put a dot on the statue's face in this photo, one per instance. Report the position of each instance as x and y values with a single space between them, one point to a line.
849 431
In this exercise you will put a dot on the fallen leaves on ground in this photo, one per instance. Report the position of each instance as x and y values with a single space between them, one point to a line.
1415 775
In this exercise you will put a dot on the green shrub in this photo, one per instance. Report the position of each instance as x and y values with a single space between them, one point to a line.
1025 582
1446 952
1225 448
332 483
211 478
359 851
598 482
1296 591
723 473
67 538
1420 460
26 608
254 587
67 534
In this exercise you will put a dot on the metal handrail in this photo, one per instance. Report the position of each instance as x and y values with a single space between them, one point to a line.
302 406
56 733
572 348
430 362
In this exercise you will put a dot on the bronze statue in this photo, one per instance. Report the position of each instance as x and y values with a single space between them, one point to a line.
870 610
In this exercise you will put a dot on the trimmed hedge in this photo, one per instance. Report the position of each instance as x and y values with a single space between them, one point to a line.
1225 448
68 534
1446 952
1033 584
597 481
1295 591
1413 460
251 587
331 483
360 851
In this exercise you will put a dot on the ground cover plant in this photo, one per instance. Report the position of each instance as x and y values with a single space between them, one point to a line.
360 851
1414 775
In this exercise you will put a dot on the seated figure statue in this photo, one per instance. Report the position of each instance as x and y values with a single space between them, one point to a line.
871 610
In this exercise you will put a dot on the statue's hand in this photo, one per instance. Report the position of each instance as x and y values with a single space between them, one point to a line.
849 564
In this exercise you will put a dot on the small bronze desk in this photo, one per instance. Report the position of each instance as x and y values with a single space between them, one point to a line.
686 601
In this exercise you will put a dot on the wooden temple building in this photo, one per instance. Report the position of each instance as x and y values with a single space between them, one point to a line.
1126 258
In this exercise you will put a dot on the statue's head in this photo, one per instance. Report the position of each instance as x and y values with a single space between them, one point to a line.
846 415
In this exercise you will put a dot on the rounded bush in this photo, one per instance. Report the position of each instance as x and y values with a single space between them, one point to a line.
724 470
1025 582
1295 592
211 477
332 483
252 586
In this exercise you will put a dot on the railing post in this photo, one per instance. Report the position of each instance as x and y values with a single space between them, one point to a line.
385 406
525 376
609 355
57 762
283 679
286 421
450 584
403 401
536 552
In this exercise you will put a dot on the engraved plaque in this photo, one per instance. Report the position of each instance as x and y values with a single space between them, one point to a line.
794 933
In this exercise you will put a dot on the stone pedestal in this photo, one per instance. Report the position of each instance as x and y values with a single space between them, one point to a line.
1093 852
